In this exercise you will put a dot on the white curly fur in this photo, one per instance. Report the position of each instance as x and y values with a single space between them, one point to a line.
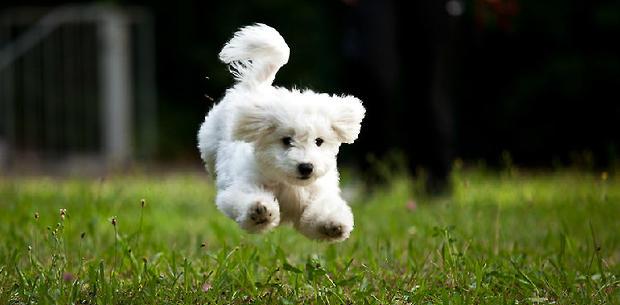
243 144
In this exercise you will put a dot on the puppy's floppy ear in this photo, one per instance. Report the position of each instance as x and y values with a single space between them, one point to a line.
347 116
252 121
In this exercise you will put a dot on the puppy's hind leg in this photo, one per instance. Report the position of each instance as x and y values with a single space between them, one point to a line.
255 210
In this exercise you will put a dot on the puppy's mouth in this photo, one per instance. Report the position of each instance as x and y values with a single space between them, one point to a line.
304 177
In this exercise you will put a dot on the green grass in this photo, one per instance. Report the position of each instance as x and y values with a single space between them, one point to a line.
503 238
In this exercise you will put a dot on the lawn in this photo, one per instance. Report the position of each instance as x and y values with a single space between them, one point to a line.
509 237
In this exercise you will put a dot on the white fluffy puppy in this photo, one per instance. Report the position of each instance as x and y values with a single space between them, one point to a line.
273 150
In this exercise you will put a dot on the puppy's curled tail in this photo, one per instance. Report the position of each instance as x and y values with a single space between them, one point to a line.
255 54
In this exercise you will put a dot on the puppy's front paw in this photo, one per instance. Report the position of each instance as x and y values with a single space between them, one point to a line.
334 231
327 221
260 216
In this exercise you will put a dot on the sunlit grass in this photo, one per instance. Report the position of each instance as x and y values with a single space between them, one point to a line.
500 238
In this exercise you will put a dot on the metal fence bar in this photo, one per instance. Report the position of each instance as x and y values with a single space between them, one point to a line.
115 86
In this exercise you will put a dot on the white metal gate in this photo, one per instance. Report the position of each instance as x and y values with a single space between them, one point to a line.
75 82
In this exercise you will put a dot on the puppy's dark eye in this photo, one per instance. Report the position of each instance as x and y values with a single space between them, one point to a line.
287 141
318 141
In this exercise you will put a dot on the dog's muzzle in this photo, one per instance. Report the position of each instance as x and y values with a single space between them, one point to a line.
305 170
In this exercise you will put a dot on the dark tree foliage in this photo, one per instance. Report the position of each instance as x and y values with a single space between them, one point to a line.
539 79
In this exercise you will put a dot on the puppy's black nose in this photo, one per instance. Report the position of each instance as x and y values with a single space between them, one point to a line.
305 169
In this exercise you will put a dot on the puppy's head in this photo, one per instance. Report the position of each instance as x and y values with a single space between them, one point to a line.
297 135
